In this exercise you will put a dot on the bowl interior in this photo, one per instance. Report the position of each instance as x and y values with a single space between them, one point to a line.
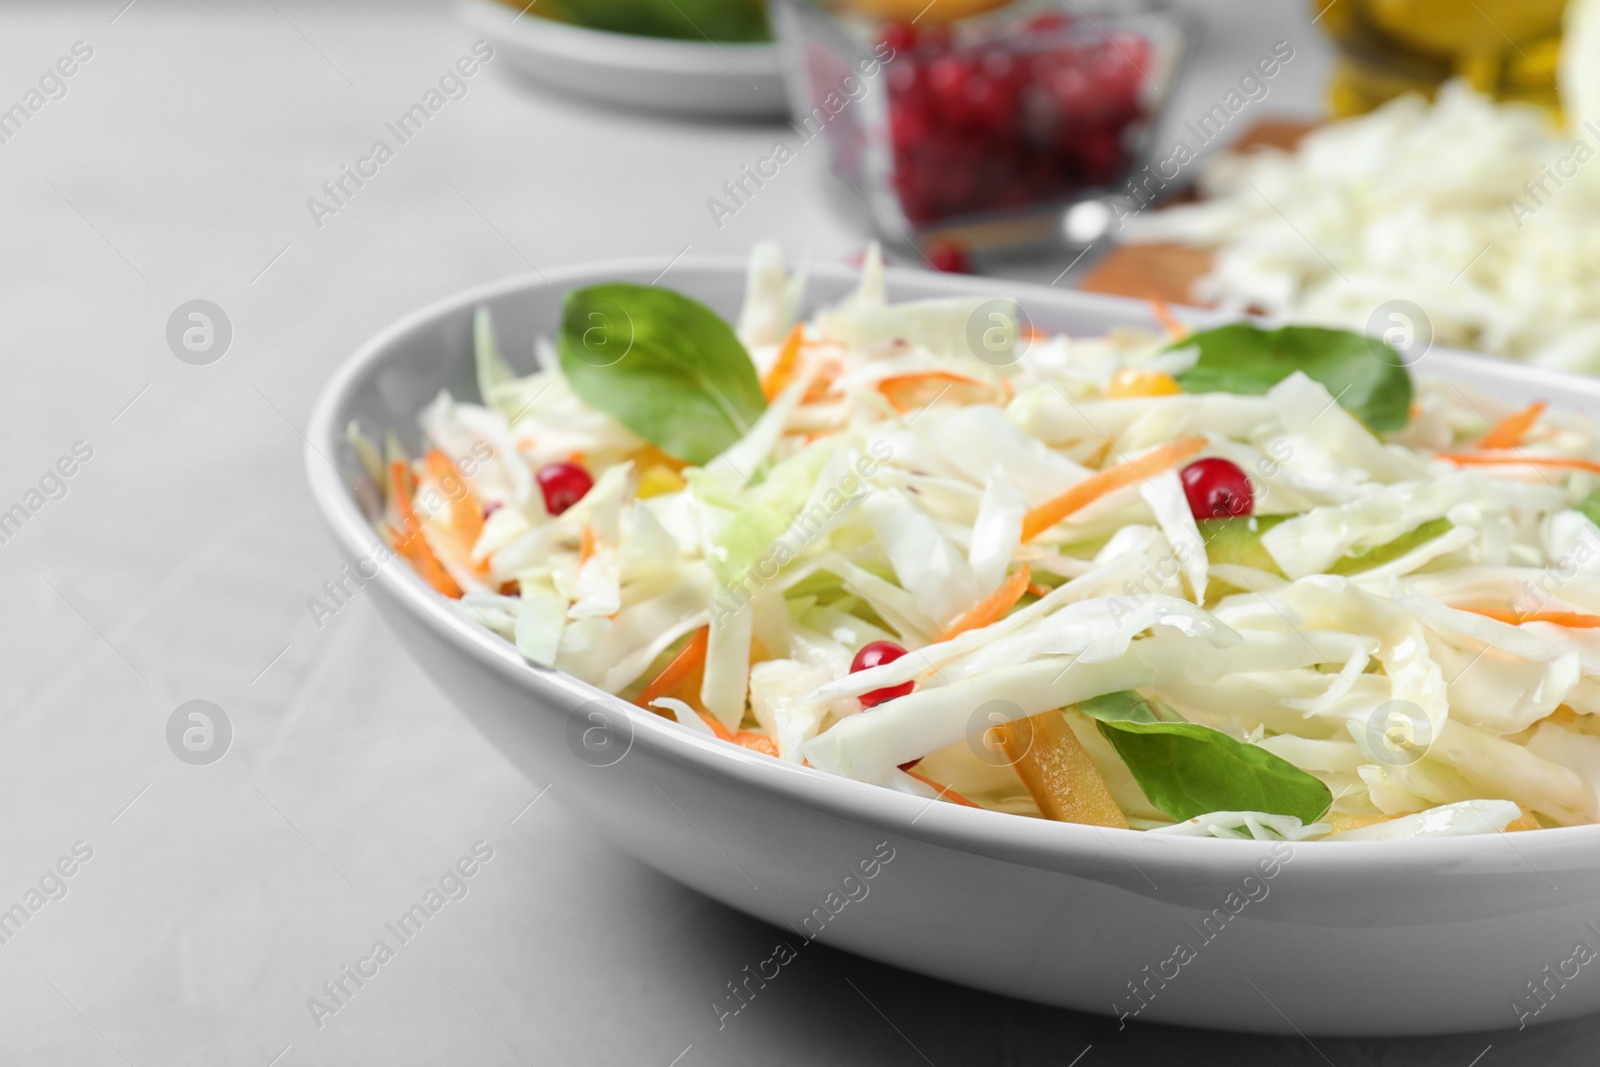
384 385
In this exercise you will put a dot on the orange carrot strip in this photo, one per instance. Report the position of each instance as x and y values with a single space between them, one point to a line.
682 665
1057 771
782 373
586 546
944 791
1040 591
756 742
722 732
466 514
1475 459
1167 319
1092 488
409 542
1509 431
822 384
993 607
744 738
912 390
1577 620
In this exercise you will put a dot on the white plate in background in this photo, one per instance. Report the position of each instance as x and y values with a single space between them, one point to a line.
719 80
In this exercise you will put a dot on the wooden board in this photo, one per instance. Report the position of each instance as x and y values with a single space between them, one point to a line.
1167 271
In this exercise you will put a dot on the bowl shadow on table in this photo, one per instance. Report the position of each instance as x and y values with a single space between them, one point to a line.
891 1016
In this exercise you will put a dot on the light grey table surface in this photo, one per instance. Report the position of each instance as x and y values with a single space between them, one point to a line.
180 560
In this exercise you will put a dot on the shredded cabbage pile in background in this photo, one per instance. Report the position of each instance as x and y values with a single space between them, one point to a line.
1426 203
896 522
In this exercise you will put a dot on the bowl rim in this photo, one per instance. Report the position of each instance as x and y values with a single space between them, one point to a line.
1026 841
608 48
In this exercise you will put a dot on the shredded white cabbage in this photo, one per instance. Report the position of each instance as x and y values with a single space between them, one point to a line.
1418 636
1478 213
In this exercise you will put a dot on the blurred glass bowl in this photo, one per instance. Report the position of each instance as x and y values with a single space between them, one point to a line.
983 130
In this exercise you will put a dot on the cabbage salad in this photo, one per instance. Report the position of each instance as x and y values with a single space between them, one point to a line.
1482 212
1239 582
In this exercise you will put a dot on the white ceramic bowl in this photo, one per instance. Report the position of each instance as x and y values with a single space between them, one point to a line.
722 79
1360 938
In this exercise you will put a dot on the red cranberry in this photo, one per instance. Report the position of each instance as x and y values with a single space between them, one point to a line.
1005 121
1048 23
933 39
949 257
563 485
1217 489
947 80
899 36
876 654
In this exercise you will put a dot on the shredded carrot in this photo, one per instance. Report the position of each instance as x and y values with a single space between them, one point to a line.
918 389
1509 431
944 791
756 742
1474 459
722 732
1040 591
993 607
1057 771
1167 319
1092 488
783 368
675 673
1526 821
466 514
744 738
822 384
586 546
1575 619
410 543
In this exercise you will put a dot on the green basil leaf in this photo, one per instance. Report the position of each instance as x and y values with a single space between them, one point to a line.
1187 769
1366 375
1127 706
665 366
1589 507
690 20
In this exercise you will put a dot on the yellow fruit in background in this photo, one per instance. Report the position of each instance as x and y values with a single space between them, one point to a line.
1453 27
1504 48
1580 63
940 11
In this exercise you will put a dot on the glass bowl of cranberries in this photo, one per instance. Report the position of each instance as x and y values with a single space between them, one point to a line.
981 130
